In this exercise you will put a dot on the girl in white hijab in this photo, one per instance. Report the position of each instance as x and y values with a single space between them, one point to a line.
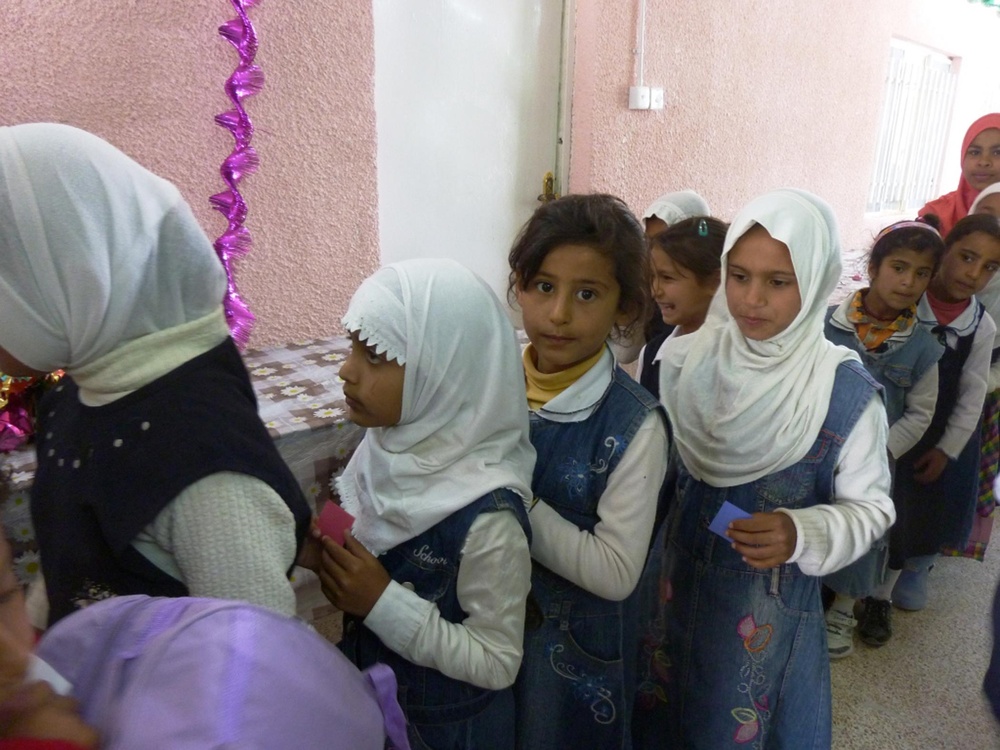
771 418
439 488
155 474
670 208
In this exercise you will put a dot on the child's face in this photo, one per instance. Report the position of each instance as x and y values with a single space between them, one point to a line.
570 306
989 205
981 163
967 267
682 297
762 291
373 386
899 280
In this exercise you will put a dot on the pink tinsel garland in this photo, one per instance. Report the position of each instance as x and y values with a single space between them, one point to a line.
235 242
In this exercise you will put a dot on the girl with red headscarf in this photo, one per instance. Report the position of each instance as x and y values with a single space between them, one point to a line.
980 168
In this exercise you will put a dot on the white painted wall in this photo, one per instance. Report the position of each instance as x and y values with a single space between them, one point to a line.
466 104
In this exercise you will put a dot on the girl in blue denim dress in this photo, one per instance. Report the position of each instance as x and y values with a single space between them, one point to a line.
435 572
880 324
579 271
784 478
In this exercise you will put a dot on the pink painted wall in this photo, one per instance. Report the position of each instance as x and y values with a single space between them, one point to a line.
759 95
148 77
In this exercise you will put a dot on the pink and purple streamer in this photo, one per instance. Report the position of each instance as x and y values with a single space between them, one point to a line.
235 242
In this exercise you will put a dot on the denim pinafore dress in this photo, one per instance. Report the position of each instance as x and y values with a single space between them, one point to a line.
748 647
577 678
442 713
897 370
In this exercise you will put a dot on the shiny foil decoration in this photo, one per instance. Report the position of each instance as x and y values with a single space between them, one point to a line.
18 397
235 242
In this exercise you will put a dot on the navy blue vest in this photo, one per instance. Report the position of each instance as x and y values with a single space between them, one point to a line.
650 376
428 563
105 473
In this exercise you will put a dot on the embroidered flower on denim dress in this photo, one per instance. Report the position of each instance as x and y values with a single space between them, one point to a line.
577 474
755 639
587 688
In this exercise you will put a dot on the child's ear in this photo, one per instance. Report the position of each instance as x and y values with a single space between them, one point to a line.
518 287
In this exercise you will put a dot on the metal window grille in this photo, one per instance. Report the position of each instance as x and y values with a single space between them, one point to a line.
919 92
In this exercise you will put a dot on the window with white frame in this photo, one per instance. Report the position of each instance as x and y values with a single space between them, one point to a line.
919 91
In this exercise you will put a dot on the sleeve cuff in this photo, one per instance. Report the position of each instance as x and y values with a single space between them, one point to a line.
811 544
397 616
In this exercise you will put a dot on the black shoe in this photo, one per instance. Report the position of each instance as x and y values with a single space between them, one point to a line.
875 622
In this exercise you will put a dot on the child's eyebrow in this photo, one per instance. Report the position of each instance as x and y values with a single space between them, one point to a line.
574 282
775 272
590 282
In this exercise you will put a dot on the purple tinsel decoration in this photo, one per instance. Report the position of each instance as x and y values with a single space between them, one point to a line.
235 242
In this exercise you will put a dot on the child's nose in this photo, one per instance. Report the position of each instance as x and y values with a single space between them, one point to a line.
346 370
755 295
561 310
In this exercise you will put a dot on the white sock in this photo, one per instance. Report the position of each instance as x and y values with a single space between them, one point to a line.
884 591
844 605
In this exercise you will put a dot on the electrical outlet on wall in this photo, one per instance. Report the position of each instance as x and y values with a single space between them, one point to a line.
638 97
656 98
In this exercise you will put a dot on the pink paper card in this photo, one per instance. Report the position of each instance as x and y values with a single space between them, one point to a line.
333 521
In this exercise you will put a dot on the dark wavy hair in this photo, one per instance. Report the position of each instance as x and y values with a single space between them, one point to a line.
903 235
695 243
598 221
975 223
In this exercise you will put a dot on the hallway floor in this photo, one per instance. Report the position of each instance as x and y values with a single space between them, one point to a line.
924 688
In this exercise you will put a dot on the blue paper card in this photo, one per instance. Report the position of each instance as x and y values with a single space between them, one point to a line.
728 512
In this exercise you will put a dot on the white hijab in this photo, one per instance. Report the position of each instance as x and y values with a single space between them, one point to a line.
743 409
990 296
986 191
95 250
464 425
674 207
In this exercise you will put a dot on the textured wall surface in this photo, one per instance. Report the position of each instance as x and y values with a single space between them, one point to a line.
148 77
760 94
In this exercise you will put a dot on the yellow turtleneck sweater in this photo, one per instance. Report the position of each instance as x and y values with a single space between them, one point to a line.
542 387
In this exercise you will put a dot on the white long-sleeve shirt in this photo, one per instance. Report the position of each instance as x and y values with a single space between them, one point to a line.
830 536
608 561
494 578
